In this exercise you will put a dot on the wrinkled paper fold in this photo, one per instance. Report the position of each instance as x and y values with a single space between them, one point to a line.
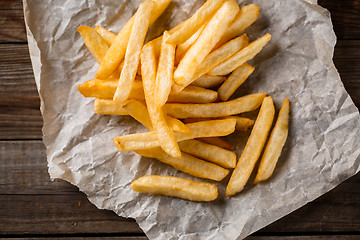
322 149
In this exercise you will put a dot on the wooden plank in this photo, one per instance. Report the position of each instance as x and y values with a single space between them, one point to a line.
19 101
318 237
30 203
345 16
12 21
322 237
20 116
347 61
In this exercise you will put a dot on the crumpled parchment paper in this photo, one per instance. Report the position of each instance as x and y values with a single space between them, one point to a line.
322 149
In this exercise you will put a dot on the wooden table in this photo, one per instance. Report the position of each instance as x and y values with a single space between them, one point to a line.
33 206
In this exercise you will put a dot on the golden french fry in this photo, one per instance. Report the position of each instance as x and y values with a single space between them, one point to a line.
208 81
218 56
117 50
157 46
157 41
106 107
199 129
166 137
105 89
133 50
152 84
94 42
193 24
177 125
107 35
181 49
241 57
176 187
217 141
139 112
243 104
193 94
165 71
246 16
211 34
233 82
121 66
275 144
209 152
252 149
148 70
221 54
242 124
187 164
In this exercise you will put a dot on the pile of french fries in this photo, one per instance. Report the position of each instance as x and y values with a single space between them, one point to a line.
174 77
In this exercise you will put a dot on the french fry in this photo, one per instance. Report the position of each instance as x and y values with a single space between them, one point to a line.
117 50
176 187
107 35
275 144
218 56
177 125
166 137
242 124
233 82
157 41
209 152
217 141
241 57
240 105
211 34
187 164
192 25
148 71
252 149
152 88
94 42
147 140
208 81
246 16
221 54
139 112
121 66
105 89
165 71
133 50
193 94
182 48
106 107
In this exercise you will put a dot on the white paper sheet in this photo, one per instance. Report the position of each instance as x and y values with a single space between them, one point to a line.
322 149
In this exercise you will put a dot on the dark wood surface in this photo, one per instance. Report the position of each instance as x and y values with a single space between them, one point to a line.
32 206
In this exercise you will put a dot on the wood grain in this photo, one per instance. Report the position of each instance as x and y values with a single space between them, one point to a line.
345 15
12 21
20 116
39 206
323 237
